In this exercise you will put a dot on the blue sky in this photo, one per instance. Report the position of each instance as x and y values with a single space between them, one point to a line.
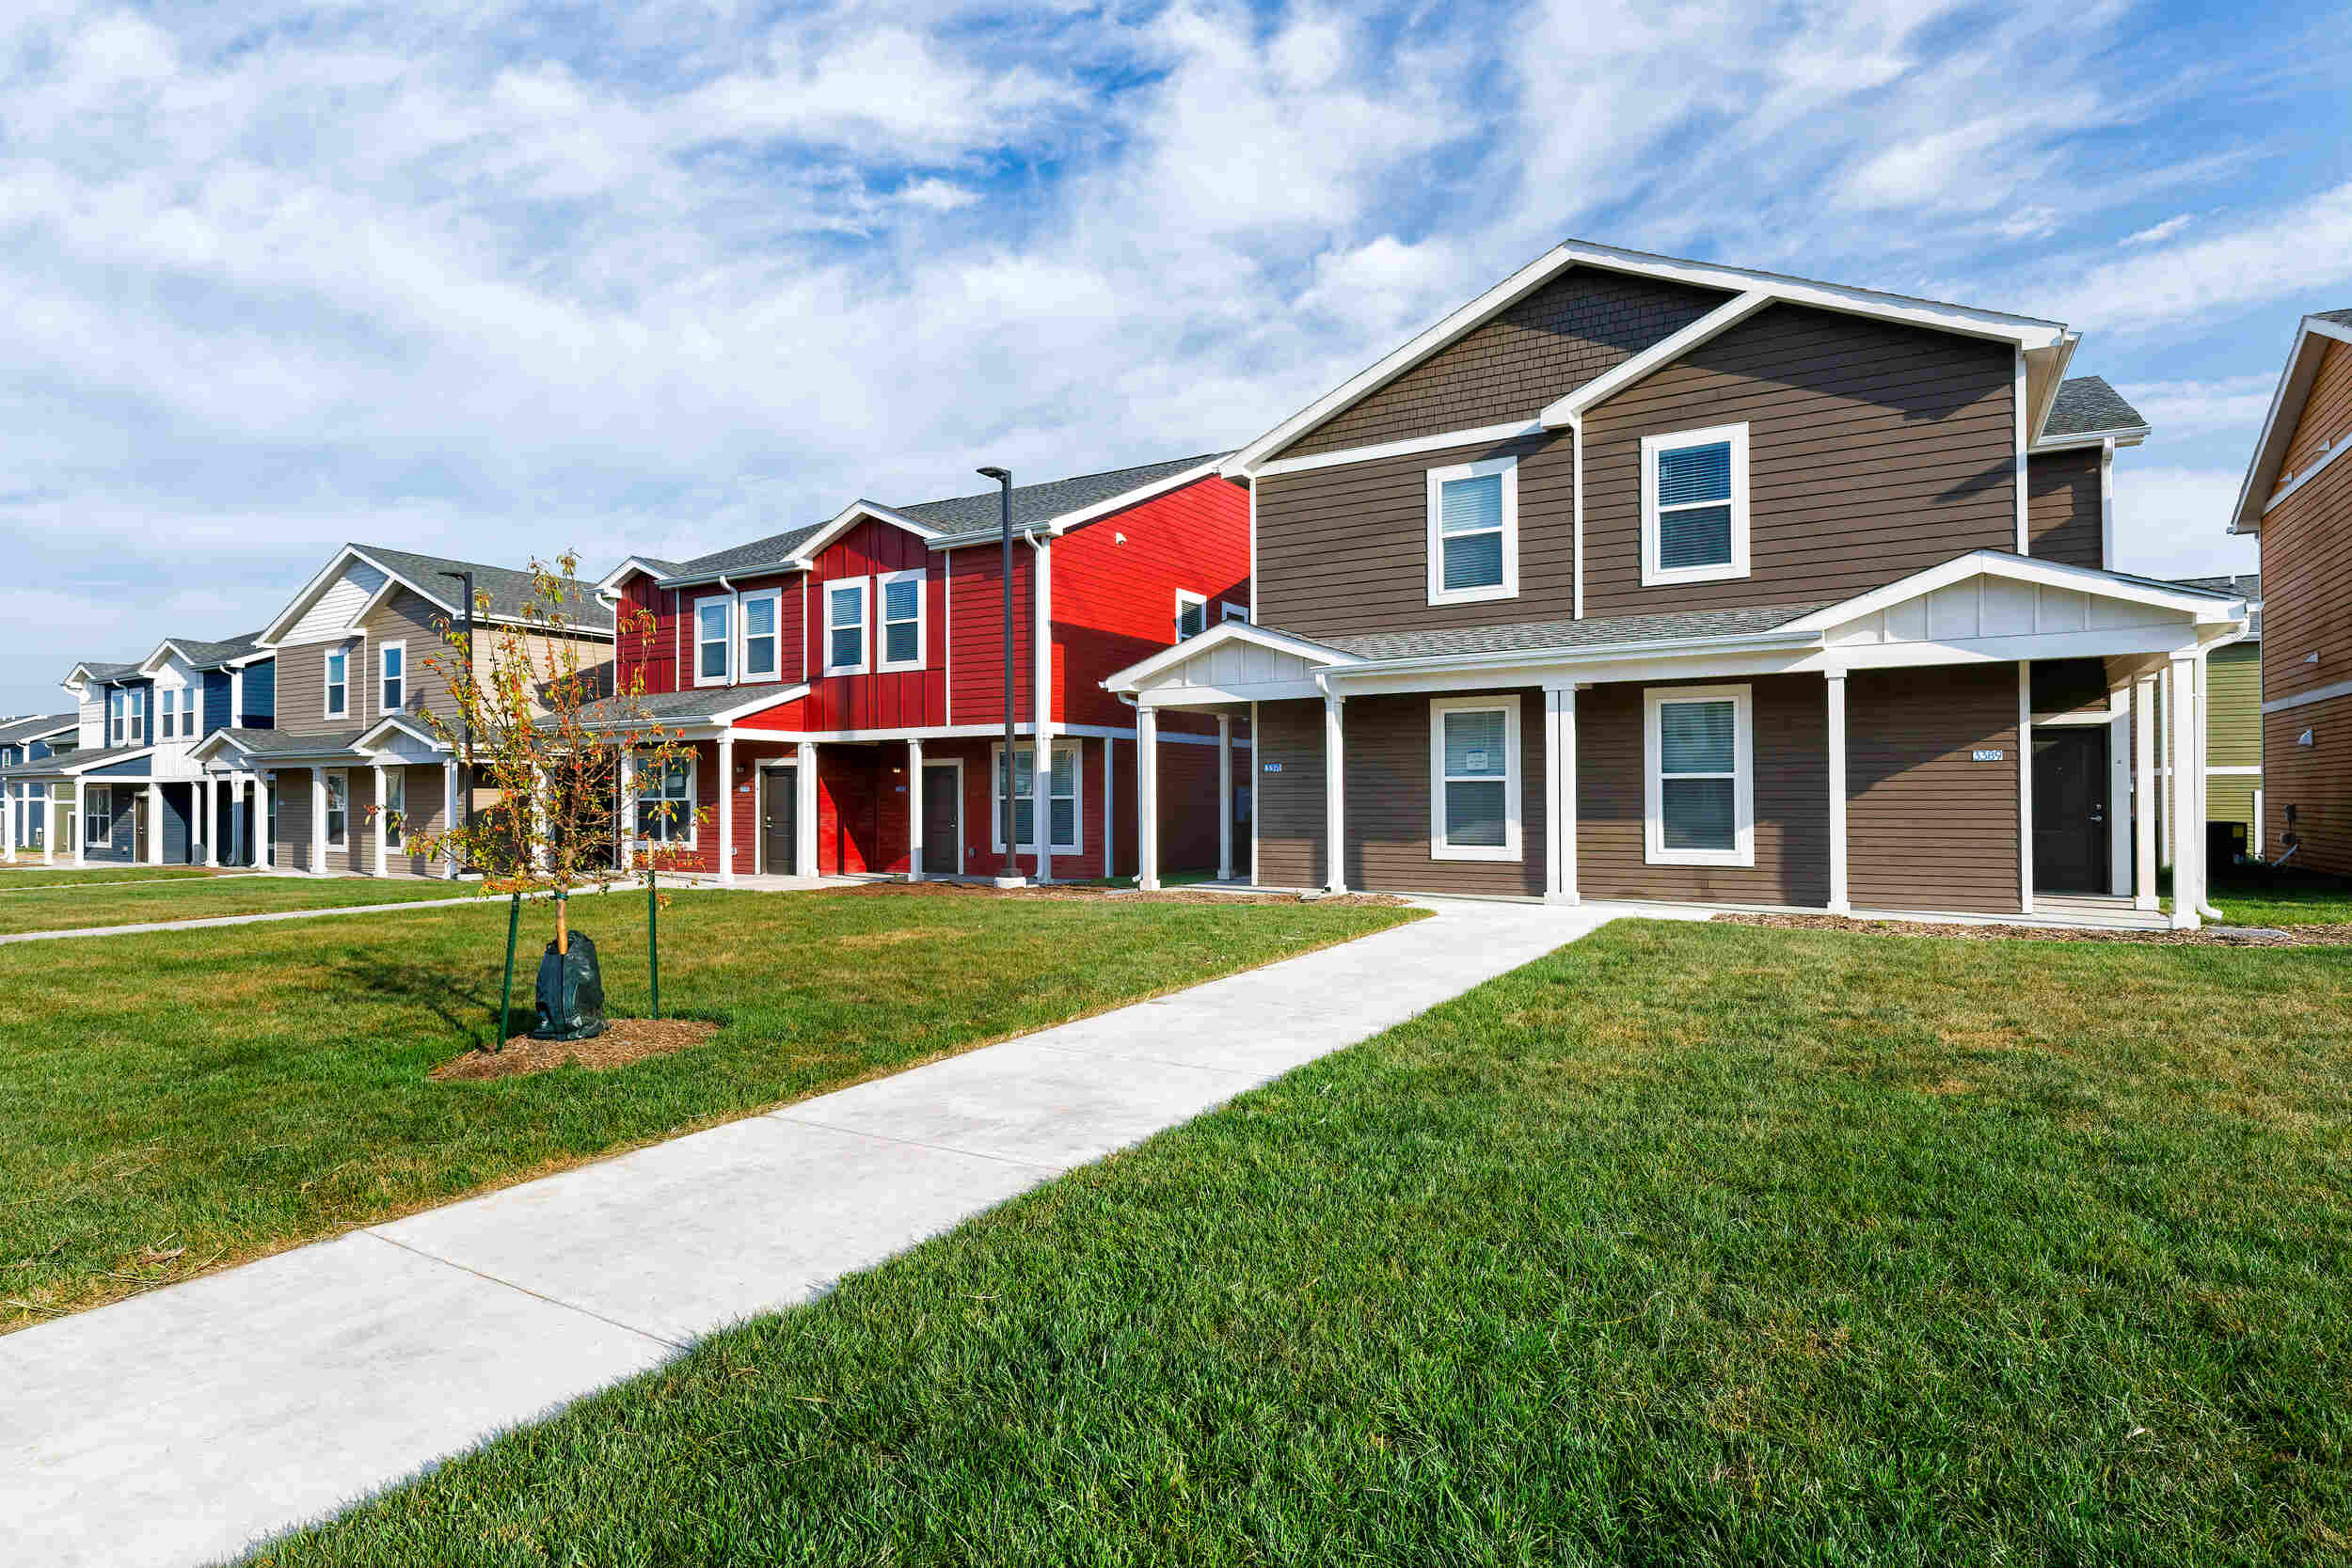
489 278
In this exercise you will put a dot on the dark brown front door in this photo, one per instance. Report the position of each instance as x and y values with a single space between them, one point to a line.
2070 809
779 821
138 822
943 818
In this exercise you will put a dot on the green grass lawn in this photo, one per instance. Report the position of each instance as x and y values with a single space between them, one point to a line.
1688 1244
2288 901
24 874
233 1090
59 909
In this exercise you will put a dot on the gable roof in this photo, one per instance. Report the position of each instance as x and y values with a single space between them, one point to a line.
507 590
1053 501
2046 342
2313 335
2085 407
202 654
39 727
97 672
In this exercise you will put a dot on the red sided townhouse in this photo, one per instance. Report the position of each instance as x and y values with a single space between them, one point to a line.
843 685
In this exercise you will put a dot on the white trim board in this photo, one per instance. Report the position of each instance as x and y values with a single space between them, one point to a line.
2305 699
2285 416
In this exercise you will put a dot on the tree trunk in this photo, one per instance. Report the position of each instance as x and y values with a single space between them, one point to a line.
562 922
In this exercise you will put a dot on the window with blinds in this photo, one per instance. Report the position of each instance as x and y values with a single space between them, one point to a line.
762 644
1694 505
901 619
1701 789
1474 532
1475 778
845 628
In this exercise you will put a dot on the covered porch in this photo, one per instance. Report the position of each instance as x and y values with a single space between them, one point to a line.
1979 739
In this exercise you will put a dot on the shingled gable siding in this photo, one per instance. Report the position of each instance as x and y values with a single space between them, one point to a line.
2307 644
2064 517
1928 826
1875 450
1543 347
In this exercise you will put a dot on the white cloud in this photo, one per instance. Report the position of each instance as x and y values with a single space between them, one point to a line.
2288 253
939 195
2155 232
2234 405
2171 522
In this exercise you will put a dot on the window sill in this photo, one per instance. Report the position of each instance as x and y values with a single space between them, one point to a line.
1473 596
1737 859
700 681
1664 578
1476 852
899 669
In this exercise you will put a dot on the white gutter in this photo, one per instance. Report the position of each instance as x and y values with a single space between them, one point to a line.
1598 654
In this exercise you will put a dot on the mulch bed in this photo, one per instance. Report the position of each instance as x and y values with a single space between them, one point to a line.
626 1041
2209 935
1126 896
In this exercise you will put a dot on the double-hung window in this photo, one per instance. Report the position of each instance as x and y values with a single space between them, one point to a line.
1699 755
98 817
1061 800
901 632
1192 614
1474 778
337 808
396 805
126 716
115 695
1694 505
168 712
393 670
338 682
1474 532
763 638
845 627
665 803
713 633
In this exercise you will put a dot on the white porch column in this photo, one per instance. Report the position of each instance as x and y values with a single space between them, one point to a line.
1334 795
79 826
156 822
237 785
318 822
2025 785
205 804
726 809
48 823
1560 796
450 792
2144 793
2120 803
376 775
268 789
1148 799
805 810
1224 798
626 776
1041 687
1838 902
12 802
1110 808
2188 883
914 811
2164 780
2201 713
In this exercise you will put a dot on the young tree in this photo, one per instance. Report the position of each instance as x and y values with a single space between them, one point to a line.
532 718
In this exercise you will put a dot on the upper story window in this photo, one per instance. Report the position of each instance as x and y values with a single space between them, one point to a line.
1699 752
1475 778
338 682
762 640
845 627
126 716
713 640
1694 505
1474 532
901 633
392 670
168 713
1192 614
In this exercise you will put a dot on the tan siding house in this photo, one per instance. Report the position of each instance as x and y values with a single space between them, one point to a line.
1652 580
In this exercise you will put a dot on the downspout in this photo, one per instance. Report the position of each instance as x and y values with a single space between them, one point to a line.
1576 509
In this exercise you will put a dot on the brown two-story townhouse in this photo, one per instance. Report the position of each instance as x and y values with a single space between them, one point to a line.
1647 578
2297 499
347 774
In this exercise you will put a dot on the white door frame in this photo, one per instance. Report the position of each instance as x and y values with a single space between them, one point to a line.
956 763
790 766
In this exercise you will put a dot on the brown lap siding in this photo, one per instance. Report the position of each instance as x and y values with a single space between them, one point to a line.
1928 826
1290 802
2316 780
1791 762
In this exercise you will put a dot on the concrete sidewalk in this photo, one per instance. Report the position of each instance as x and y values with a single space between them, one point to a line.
181 1426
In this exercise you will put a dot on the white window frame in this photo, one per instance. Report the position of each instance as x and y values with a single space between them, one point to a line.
1229 610
1185 596
394 806
1438 479
742 615
725 639
1654 575
1077 795
337 786
118 714
168 712
329 706
1512 847
90 798
685 818
135 704
883 661
1742 853
864 587
384 677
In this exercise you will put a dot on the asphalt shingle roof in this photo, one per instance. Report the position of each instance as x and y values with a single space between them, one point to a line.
2245 585
1537 636
735 558
206 654
2341 317
291 743
108 672
508 590
47 724
672 706
2086 404
74 759
1038 503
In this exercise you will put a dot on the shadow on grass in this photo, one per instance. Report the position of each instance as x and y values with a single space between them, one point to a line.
447 993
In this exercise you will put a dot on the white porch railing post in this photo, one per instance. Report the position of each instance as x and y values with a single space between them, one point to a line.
914 811
1334 795
1840 903
626 776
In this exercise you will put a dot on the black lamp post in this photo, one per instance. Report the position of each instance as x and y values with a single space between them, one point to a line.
1013 835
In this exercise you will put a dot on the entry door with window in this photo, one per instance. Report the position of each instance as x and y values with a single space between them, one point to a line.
942 819
779 822
2070 809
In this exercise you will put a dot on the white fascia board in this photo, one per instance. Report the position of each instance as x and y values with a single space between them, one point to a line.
66 764
383 590
373 735
2200 607
2123 436
1135 497
1219 696
309 591
2046 373
847 519
1552 661
1658 354
1127 680
613 579
155 663
2286 412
